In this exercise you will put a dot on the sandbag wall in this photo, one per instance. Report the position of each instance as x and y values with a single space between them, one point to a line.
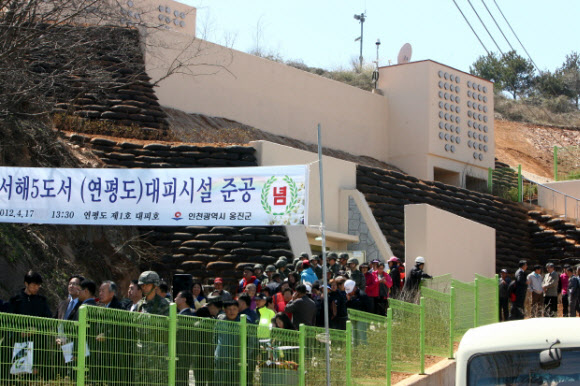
555 239
387 193
204 252
111 83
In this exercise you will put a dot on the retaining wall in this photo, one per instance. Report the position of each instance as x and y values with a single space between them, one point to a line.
387 192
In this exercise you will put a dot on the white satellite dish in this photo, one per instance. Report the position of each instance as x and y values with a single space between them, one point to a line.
405 54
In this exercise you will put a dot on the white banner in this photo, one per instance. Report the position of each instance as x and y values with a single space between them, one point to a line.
155 197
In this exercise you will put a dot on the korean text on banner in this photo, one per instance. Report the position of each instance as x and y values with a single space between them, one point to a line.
157 197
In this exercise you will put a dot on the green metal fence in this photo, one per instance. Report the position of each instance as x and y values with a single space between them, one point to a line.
438 326
369 334
315 356
439 283
407 341
464 302
114 347
37 350
278 357
487 304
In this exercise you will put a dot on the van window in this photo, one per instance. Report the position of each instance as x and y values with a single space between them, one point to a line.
522 368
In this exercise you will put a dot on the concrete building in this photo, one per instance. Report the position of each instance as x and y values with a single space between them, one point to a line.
430 120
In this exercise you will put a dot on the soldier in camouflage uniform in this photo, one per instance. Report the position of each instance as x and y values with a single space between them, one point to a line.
356 275
151 302
316 267
333 267
152 348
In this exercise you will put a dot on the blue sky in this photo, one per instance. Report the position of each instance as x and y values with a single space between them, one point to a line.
321 33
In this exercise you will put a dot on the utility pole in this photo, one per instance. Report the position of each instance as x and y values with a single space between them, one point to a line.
361 18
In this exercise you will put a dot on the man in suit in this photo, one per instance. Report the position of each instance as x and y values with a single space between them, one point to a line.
108 295
68 308
184 302
87 294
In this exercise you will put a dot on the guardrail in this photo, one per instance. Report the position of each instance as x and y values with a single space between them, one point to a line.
559 202
117 347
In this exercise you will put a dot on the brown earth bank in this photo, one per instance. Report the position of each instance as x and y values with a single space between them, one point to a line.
531 145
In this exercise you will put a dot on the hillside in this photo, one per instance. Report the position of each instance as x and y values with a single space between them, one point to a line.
531 145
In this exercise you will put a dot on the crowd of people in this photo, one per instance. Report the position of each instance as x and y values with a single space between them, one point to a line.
541 290
285 294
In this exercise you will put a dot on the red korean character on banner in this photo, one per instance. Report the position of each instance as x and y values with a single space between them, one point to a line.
280 196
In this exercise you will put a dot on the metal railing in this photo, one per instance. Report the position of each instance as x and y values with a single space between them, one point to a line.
558 202
114 347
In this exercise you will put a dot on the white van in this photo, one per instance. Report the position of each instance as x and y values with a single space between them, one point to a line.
540 351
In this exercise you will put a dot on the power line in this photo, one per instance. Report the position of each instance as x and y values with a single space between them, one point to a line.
484 26
497 25
469 24
514 32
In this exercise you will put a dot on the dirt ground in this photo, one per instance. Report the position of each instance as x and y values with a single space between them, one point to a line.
531 145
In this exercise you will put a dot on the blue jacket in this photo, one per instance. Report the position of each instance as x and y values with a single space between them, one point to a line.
308 275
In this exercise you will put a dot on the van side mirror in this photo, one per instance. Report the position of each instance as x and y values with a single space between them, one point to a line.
551 358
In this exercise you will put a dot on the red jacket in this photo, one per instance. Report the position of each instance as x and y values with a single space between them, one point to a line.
372 288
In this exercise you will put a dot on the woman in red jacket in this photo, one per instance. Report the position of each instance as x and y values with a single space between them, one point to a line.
372 284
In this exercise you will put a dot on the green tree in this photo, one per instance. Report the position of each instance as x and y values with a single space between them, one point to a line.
518 74
489 67
549 84
570 71
511 72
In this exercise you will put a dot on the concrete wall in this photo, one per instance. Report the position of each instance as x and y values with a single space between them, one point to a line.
163 14
449 243
267 95
338 174
564 200
436 114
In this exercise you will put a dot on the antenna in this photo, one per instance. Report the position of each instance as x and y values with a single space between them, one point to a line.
405 54
361 18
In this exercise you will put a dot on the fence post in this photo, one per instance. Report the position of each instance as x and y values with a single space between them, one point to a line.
520 185
476 296
452 323
490 180
496 298
423 329
82 345
172 342
243 350
302 356
348 353
389 344
555 163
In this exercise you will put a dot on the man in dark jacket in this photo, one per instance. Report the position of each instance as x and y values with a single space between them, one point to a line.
504 282
28 301
413 282
302 308
68 308
521 288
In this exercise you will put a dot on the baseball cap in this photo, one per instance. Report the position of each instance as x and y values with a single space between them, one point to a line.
260 297
504 270
218 280
349 286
